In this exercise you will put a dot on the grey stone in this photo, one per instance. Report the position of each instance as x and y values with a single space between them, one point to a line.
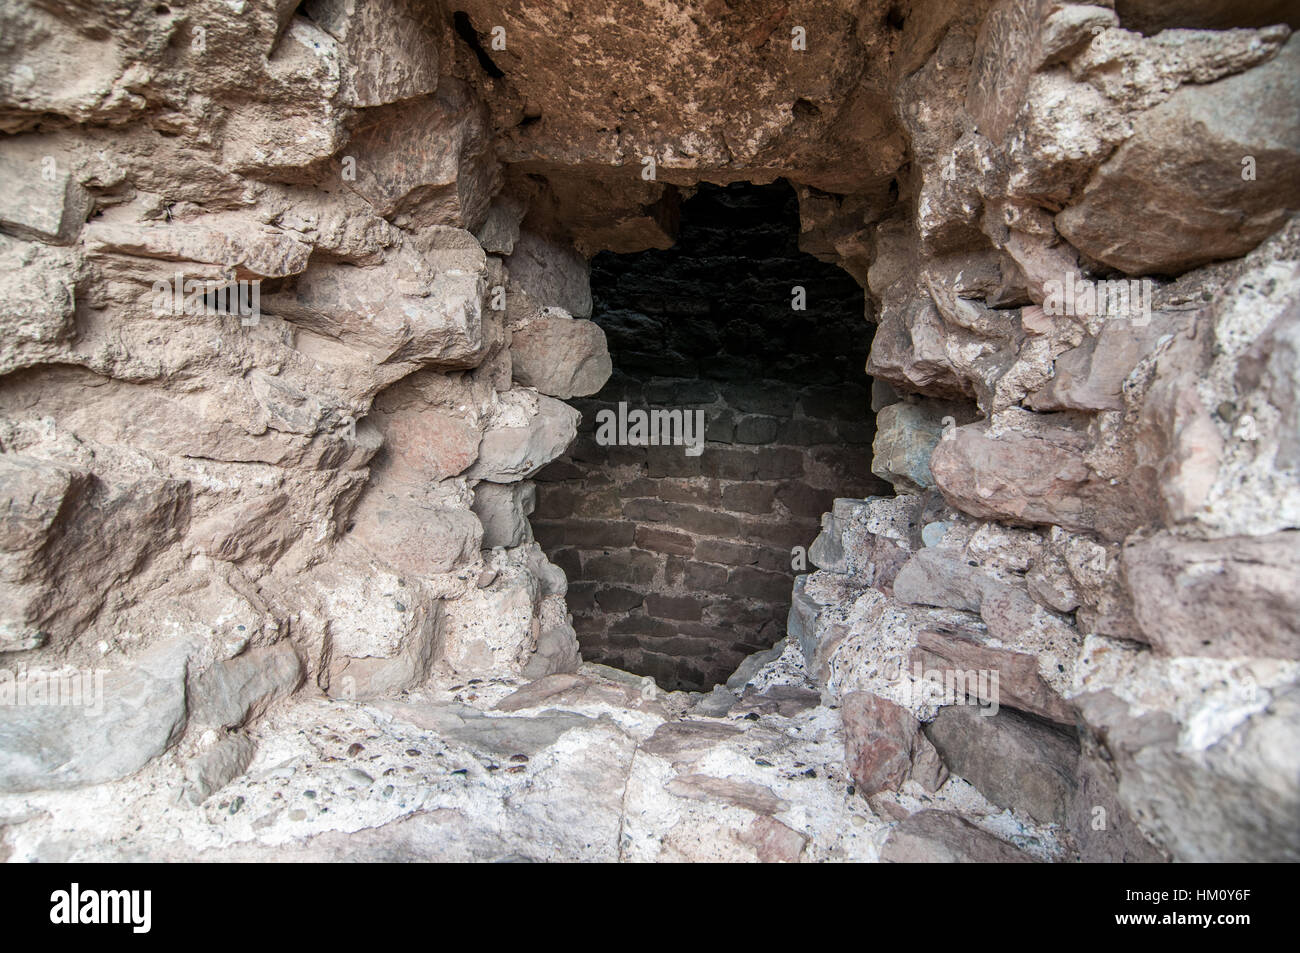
514 453
686 741
413 537
37 302
906 435
389 48
747 669
1102 830
141 713
1173 195
1221 597
503 509
427 161
231 692
215 767
501 736
937 837
552 273
1189 800
556 652
500 229
41 199
1015 761
560 356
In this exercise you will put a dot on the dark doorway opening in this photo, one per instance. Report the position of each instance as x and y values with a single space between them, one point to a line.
680 565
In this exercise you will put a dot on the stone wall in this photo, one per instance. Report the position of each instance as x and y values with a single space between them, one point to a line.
679 566
294 542
218 508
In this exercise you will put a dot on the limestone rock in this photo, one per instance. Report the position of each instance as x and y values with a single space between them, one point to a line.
63 72
444 176
912 351
1185 161
414 537
1020 680
503 509
423 444
748 668
1102 829
565 90
906 435
1160 779
1038 474
516 451
1015 761
435 318
229 693
884 746
389 50
560 356
132 711
258 529
212 769
1091 376
500 229
69 537
506 625
932 837
43 200
816 632
866 538
550 273
33 492
303 538
367 630
229 242
944 576
292 120
574 690
1222 598
556 650
38 288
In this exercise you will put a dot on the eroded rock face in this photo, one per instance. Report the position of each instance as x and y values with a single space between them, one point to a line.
885 746
220 503
1157 207
264 520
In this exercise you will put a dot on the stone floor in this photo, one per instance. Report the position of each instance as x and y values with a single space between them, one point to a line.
593 766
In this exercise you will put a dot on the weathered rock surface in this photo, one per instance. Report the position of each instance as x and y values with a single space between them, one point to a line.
1035 471
503 509
560 356
389 49
906 435
516 450
125 718
884 745
1223 598
444 175
551 273
295 539
1180 193
934 837
44 201
1015 761
1160 779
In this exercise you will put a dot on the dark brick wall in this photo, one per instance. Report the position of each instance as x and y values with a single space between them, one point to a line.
680 566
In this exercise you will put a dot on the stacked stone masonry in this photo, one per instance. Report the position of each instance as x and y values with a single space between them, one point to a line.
680 565
295 541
